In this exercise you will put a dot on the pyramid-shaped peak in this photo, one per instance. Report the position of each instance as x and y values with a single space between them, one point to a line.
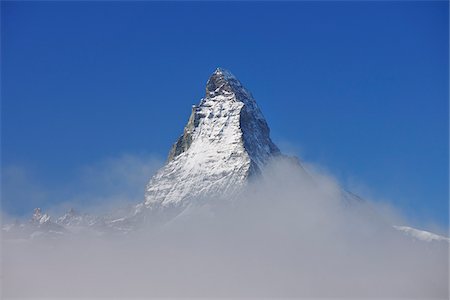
225 142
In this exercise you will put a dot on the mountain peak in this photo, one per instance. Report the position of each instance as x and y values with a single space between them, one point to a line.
223 82
223 72
225 141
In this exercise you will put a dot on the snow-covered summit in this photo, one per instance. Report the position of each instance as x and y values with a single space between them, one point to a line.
226 140
421 235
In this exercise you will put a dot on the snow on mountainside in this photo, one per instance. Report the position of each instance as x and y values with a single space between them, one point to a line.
225 141
421 235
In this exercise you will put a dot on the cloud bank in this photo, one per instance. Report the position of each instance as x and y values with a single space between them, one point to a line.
289 234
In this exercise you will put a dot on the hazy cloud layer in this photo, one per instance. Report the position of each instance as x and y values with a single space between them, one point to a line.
288 235
110 182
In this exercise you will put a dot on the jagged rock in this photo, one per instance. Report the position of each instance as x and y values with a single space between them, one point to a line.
39 219
72 219
225 141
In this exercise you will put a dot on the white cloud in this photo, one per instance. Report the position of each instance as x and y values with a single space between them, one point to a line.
288 236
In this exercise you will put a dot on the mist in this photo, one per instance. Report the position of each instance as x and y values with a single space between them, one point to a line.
289 234
103 185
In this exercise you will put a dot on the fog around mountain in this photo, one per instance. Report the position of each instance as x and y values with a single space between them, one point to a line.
286 236
227 215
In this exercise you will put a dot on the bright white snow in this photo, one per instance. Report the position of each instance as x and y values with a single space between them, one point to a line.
421 235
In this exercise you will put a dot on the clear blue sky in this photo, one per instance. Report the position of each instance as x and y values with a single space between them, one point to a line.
360 88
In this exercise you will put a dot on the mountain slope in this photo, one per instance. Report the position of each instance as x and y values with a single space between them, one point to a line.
225 141
421 235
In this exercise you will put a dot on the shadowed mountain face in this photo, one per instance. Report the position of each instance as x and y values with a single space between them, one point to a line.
225 141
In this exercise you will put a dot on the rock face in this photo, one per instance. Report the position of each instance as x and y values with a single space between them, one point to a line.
225 142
